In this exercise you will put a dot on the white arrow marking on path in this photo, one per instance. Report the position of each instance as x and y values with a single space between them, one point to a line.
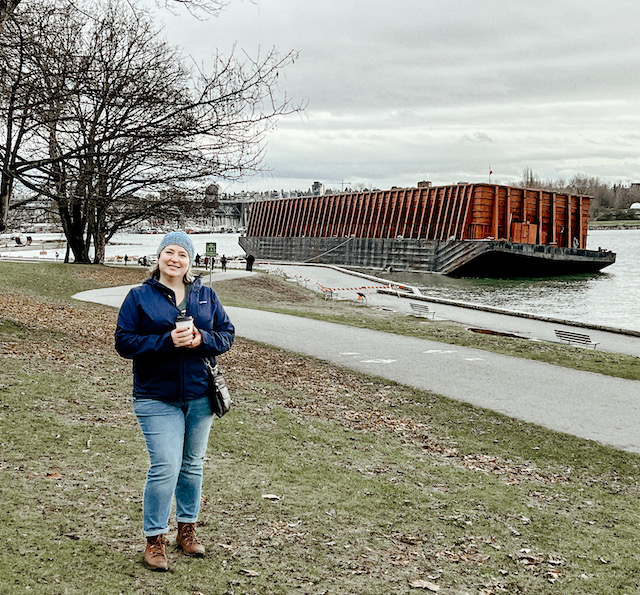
378 361
440 351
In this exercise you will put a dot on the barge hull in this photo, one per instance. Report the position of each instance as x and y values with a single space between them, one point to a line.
469 258
464 229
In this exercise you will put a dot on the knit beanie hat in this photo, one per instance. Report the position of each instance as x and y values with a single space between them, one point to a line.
178 238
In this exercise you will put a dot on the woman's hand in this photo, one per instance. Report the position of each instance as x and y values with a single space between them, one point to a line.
186 337
197 339
182 337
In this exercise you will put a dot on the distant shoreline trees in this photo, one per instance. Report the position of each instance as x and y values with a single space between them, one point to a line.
606 198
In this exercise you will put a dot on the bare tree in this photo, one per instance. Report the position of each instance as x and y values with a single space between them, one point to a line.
120 128
604 196
17 106
195 6
7 7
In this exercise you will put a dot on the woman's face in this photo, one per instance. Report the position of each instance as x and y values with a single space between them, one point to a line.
173 262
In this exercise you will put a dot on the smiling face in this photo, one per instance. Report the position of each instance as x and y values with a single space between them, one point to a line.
173 263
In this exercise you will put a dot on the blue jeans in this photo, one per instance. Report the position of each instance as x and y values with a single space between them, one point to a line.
176 438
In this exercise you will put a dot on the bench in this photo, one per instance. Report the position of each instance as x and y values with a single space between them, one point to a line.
578 338
421 310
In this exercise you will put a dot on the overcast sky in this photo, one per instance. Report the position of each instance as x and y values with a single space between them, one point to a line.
407 90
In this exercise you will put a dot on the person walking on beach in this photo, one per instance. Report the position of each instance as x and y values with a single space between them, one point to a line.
170 386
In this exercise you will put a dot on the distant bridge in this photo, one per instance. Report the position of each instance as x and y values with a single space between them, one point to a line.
232 212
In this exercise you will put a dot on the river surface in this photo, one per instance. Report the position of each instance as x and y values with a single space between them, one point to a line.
610 298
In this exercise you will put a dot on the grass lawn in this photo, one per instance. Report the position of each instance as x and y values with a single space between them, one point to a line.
320 480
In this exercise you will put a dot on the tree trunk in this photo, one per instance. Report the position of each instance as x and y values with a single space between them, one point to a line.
79 248
99 245
74 232
6 186
4 210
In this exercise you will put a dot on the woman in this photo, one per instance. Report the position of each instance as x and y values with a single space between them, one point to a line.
170 384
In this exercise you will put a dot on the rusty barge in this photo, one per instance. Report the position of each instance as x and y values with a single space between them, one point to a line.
485 230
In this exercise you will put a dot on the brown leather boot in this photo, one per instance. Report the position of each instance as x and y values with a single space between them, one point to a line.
155 555
188 541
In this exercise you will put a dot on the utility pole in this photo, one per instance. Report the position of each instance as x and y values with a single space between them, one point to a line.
342 184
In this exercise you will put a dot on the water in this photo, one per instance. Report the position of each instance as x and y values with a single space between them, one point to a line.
611 298
139 244
134 245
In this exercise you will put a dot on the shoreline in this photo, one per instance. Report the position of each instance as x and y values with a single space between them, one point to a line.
615 226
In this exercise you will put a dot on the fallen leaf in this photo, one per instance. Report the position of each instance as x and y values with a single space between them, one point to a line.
410 539
554 575
225 546
422 584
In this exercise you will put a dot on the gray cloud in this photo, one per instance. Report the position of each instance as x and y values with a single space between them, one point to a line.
418 89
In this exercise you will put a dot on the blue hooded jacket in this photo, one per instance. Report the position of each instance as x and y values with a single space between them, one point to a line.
143 333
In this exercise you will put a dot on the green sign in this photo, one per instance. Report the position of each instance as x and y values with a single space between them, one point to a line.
211 249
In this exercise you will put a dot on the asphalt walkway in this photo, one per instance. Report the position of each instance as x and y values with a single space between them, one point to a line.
345 285
584 404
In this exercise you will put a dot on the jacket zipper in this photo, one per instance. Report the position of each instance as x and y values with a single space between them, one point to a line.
181 360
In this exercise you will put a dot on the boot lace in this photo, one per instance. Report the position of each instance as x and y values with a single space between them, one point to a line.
156 546
188 535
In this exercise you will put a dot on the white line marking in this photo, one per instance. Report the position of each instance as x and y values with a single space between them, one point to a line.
378 361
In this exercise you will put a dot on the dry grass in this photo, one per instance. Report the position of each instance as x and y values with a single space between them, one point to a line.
377 487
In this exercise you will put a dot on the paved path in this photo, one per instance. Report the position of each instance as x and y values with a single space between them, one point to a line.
472 315
588 405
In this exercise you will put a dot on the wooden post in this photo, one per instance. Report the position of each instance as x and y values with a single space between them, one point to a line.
507 216
400 213
342 216
433 199
423 196
296 232
554 218
457 227
393 214
569 229
539 231
580 222
496 213
467 212
437 232
410 210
